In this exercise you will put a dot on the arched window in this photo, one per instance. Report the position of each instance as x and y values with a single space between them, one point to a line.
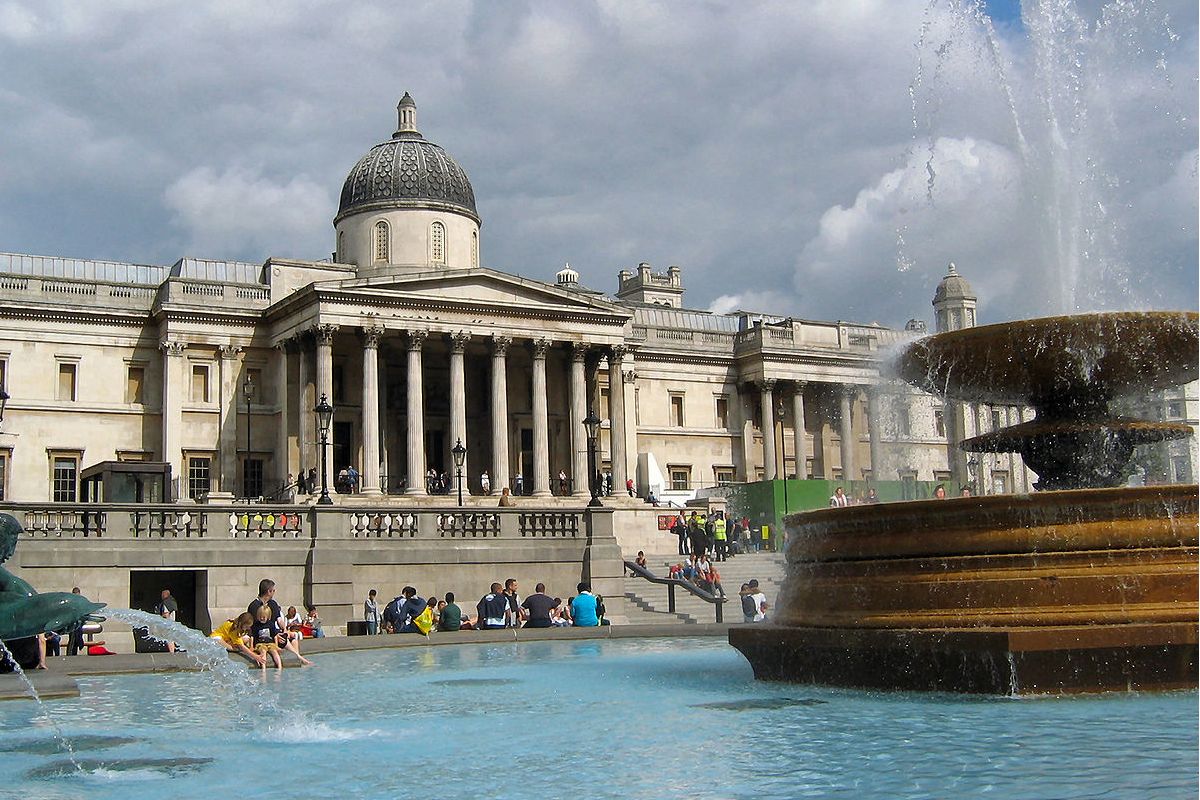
383 245
437 243
474 248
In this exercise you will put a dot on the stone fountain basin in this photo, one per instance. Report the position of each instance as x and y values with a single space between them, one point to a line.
1031 362
1079 557
1059 592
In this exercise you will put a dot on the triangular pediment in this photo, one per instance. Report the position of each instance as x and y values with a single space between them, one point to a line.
477 287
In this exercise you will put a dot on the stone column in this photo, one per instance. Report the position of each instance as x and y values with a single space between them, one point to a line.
616 417
766 389
500 412
174 391
848 393
370 410
799 444
227 430
541 429
324 335
746 423
306 431
458 402
578 437
416 415
873 424
283 451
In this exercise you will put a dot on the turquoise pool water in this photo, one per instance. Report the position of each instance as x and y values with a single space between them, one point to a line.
618 718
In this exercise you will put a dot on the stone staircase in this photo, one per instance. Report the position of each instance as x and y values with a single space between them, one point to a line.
646 603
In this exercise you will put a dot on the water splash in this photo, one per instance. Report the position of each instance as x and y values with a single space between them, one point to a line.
63 742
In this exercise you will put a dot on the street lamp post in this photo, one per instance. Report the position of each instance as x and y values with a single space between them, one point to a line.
591 423
324 413
460 456
248 393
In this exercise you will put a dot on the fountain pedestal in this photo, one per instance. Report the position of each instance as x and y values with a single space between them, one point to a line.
1086 589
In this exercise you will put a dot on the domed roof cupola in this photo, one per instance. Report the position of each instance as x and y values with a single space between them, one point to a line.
953 302
953 287
407 171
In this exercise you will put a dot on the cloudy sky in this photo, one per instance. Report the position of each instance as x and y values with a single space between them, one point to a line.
814 158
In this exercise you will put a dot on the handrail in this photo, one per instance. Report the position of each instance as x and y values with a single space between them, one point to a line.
708 597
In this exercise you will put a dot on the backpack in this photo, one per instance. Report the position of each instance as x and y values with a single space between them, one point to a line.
424 620
749 607
599 607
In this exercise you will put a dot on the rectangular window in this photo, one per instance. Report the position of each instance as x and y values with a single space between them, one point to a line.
605 413
199 476
253 477
723 411
637 406
1174 408
4 457
808 468
200 383
677 410
939 421
997 419
339 385
723 475
681 478
67 374
65 478
135 380
903 421
999 483
4 373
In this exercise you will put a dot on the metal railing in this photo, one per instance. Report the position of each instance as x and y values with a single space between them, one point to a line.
708 597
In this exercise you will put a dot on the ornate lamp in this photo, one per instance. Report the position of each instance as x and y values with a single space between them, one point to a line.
591 424
324 413
460 456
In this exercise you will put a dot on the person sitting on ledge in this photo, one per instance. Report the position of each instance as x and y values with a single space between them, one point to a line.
560 616
506 499
450 617
492 608
584 608
313 621
234 634
412 607
537 607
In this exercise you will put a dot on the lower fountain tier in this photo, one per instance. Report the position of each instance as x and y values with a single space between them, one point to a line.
1005 661
1078 590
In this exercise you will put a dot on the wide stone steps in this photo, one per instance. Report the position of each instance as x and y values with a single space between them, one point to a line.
648 602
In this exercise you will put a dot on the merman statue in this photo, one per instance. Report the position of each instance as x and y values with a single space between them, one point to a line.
24 613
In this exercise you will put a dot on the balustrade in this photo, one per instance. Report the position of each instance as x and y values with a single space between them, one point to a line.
262 524
542 524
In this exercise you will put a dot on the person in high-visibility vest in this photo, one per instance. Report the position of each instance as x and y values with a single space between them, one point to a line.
719 535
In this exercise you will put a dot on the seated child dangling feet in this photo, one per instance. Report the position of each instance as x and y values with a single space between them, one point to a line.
265 633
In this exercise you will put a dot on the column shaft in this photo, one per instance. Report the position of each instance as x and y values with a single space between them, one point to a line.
766 390
325 387
616 418
578 437
541 430
173 393
499 476
458 402
306 430
370 411
416 415
283 452
874 422
746 426
799 443
227 480
847 432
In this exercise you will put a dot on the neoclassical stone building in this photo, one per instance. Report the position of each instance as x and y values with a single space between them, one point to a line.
214 367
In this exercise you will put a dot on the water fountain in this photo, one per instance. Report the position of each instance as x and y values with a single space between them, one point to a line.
1085 585
26 614
1071 589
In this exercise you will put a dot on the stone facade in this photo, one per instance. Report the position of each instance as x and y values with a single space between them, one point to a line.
215 367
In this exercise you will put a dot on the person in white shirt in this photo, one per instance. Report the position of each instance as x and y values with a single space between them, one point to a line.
839 499
760 601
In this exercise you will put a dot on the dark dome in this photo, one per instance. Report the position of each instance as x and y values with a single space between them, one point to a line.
407 171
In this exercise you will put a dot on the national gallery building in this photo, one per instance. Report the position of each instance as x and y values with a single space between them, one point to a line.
215 367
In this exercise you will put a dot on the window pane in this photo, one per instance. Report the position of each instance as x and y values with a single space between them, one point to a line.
198 477
64 479
253 477
66 381
133 385
722 412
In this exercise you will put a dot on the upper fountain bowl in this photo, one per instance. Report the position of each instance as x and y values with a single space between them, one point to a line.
1040 362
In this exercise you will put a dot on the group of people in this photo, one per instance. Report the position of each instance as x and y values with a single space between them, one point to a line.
262 630
701 533
840 499
700 571
501 607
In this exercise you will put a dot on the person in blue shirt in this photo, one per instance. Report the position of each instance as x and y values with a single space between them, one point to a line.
583 608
